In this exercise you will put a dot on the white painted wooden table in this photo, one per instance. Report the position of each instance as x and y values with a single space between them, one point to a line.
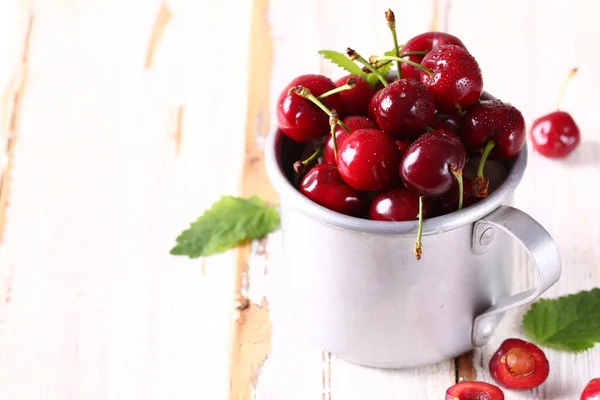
123 120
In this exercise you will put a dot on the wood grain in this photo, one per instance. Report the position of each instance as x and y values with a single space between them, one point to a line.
252 328
11 108
162 19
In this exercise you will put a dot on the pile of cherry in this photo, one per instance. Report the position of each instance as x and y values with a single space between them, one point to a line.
397 151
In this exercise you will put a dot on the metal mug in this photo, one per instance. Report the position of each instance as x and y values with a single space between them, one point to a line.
355 288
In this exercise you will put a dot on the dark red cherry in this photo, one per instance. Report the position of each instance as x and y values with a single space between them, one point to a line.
323 185
470 390
354 123
456 77
403 145
448 202
403 109
555 135
591 390
355 100
424 42
446 122
397 205
494 120
427 166
298 117
519 365
368 160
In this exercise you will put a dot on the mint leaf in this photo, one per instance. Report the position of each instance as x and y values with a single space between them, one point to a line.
230 221
342 61
569 323
391 52
383 70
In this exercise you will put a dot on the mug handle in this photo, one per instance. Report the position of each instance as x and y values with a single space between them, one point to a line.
539 245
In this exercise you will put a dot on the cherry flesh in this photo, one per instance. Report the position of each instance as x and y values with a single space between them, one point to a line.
555 135
470 390
494 120
323 185
448 202
424 42
403 109
397 205
354 123
591 390
519 365
299 118
428 164
456 79
355 100
368 160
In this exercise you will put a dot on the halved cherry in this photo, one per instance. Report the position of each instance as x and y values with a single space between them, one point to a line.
591 390
473 390
519 365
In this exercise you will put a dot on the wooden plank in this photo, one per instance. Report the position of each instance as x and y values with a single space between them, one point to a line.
98 194
252 328
556 193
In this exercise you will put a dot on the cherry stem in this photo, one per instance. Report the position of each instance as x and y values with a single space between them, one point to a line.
355 56
459 109
486 151
561 93
407 54
418 245
457 172
333 121
412 53
300 166
400 59
391 22
312 157
350 84
305 93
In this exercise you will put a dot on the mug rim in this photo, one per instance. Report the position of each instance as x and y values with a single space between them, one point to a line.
431 226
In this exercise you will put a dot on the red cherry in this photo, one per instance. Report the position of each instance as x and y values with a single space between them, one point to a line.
555 135
456 77
323 185
591 390
368 160
353 123
403 145
427 166
446 122
424 42
355 100
519 365
469 390
494 120
403 109
448 202
397 205
298 117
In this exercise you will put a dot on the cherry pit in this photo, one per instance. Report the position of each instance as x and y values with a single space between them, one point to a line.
390 140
